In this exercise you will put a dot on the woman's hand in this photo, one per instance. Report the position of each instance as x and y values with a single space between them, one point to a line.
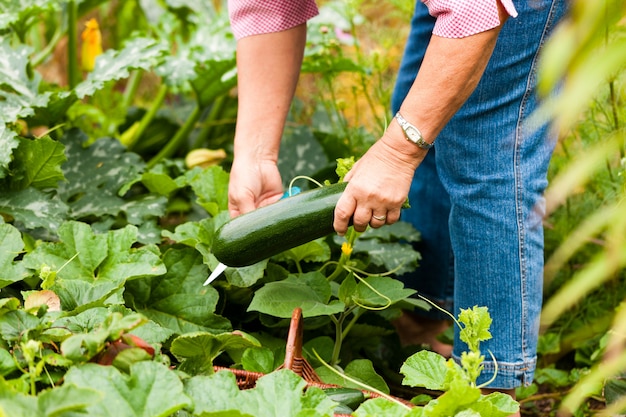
253 183
378 183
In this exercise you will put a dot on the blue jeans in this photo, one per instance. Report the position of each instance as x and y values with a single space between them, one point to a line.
477 199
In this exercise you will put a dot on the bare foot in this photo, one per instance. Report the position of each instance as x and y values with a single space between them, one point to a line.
415 330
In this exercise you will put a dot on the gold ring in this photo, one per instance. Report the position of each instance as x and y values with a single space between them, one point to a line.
381 218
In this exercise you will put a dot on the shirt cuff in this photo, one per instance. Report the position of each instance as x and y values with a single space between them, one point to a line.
462 18
255 17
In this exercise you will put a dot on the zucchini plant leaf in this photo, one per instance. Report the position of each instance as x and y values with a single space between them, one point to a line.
96 174
33 208
8 142
151 389
360 369
391 256
113 65
177 300
213 79
11 246
277 394
20 15
310 291
197 350
38 163
376 407
20 85
314 251
425 369
377 291
211 188
300 154
91 267
496 404
60 401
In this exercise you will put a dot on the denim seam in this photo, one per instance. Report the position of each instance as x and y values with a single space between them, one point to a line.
531 80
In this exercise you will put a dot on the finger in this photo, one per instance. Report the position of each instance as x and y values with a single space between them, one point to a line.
393 215
361 218
343 213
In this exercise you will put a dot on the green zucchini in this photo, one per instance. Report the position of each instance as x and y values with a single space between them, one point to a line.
348 397
275 228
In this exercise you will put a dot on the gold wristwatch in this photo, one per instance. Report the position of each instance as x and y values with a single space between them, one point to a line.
412 133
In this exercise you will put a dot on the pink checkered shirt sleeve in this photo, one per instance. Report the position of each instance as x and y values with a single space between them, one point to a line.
461 18
254 17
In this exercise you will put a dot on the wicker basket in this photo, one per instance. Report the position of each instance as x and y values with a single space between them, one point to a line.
295 362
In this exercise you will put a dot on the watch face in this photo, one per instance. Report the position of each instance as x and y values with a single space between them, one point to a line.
413 134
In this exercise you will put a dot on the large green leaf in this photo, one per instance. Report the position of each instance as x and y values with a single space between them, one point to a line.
377 407
177 300
19 15
38 163
8 142
113 65
64 401
11 246
277 394
19 92
309 291
151 390
90 267
300 154
96 174
34 208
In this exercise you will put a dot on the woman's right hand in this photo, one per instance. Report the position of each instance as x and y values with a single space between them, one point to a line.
253 184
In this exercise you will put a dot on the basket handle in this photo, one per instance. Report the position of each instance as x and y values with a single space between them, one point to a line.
294 339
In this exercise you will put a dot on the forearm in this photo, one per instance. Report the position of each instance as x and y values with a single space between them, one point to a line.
450 72
268 68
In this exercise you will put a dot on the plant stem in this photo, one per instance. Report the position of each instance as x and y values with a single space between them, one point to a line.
131 88
334 360
148 117
45 52
178 139
72 47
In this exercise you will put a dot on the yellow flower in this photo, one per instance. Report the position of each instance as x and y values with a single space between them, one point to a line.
346 248
92 44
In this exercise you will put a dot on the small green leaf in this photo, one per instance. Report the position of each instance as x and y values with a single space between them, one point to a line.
476 323
211 187
496 404
198 350
425 369
258 359
377 291
360 369
377 407
38 163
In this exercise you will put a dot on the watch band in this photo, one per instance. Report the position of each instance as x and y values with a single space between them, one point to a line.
412 133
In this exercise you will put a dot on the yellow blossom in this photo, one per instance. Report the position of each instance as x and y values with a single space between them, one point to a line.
92 44
346 248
